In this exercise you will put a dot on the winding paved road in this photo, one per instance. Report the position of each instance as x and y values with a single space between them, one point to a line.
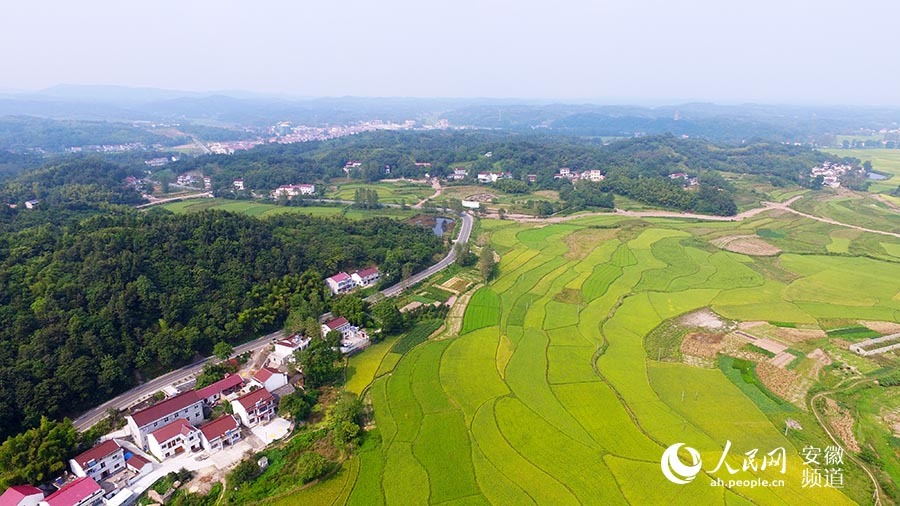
141 392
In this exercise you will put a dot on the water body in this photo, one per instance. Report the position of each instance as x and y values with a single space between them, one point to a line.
876 176
439 226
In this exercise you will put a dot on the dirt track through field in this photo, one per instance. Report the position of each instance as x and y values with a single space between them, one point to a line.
767 206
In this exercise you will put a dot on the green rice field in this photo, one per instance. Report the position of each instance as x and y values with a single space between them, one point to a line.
549 394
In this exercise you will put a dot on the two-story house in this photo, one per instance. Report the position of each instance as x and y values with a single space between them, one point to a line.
81 492
212 394
187 406
366 277
103 460
177 437
221 432
270 379
254 408
340 283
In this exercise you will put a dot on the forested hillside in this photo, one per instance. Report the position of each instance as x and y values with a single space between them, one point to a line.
89 306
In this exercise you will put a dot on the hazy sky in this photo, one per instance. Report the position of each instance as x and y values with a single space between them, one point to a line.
774 51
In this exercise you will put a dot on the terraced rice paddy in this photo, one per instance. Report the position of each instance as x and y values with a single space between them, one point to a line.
548 395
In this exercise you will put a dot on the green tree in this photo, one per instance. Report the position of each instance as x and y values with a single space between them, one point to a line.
388 317
38 454
223 350
486 262
352 307
344 420
317 362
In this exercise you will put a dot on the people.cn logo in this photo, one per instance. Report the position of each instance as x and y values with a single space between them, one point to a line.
677 471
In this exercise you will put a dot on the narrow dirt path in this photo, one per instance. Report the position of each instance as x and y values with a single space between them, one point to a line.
436 185
766 206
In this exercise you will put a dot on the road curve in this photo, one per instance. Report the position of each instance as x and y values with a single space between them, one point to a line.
140 392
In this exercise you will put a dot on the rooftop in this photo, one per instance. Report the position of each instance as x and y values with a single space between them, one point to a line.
250 400
167 432
230 381
219 426
166 407
137 462
98 452
336 323
341 276
73 492
16 493
265 373
367 272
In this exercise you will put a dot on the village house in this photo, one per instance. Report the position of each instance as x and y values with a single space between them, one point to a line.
366 277
340 283
596 175
238 184
21 495
212 394
293 190
458 174
488 177
187 406
270 379
101 461
254 408
81 492
339 324
531 178
137 464
285 349
207 182
31 204
174 438
225 430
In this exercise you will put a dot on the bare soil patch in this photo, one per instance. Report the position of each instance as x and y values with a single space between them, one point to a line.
798 335
784 383
481 197
582 242
841 422
747 245
699 344
456 285
882 327
703 318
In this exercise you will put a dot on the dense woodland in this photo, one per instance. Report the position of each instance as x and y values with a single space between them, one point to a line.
89 307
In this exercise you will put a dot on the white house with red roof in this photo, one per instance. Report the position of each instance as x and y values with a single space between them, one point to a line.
187 406
138 464
212 394
177 437
366 277
285 349
225 430
340 283
238 184
254 408
21 495
340 324
105 459
270 379
81 492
